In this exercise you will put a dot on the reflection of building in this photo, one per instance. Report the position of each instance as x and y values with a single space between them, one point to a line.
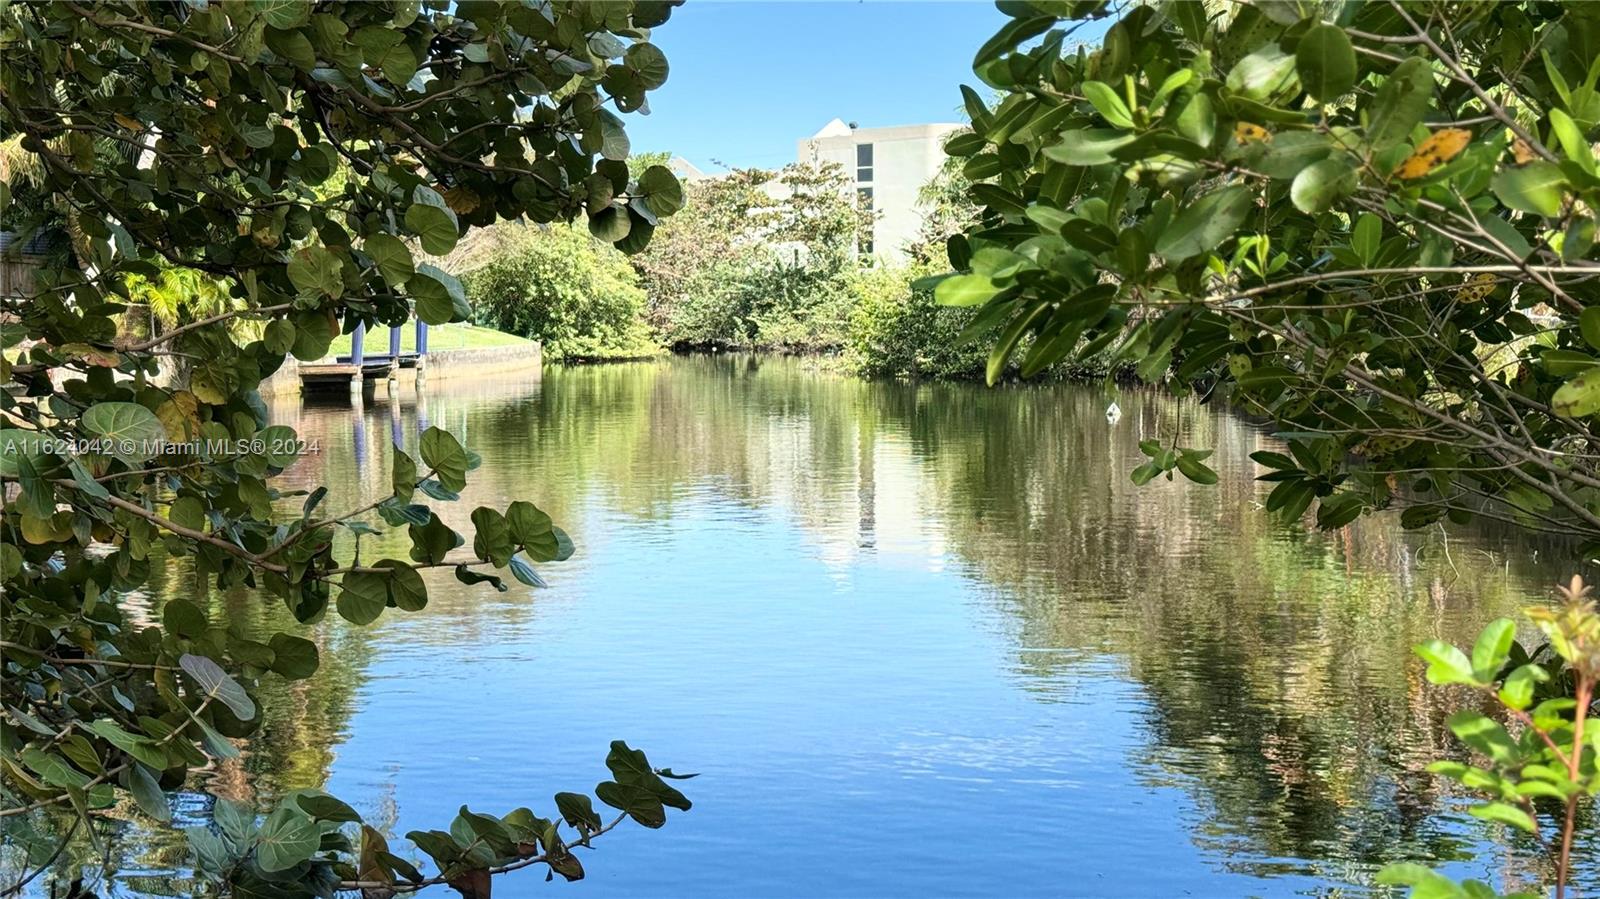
890 166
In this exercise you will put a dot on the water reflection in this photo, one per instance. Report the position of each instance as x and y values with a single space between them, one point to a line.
918 637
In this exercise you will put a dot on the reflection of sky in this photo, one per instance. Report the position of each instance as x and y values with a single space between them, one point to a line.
858 737
916 639
805 628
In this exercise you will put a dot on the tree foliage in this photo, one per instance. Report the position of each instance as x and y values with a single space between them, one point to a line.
1371 223
757 258
1538 779
560 285
304 155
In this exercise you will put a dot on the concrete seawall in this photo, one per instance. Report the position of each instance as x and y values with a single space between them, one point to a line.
440 365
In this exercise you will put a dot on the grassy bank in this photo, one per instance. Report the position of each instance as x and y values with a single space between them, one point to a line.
440 337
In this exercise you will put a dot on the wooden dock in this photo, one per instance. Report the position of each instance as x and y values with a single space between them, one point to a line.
355 371
343 373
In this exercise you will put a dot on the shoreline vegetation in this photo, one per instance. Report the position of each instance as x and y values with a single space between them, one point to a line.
756 261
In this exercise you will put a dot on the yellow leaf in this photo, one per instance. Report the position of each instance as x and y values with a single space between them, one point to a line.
1440 147
460 199
128 122
1522 152
92 355
1477 288
1246 133
178 416
205 388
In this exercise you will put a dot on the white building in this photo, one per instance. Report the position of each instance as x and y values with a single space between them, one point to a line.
889 167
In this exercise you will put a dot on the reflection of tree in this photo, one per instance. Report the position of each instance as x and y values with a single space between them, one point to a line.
1281 691
1274 660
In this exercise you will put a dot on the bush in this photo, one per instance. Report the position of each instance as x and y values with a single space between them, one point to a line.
898 331
756 259
560 285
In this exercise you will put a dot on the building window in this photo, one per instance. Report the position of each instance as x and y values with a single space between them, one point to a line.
863 162
864 198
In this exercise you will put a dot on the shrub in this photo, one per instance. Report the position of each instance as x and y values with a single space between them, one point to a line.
897 330
560 285
756 259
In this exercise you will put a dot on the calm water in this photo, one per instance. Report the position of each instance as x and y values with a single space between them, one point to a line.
916 640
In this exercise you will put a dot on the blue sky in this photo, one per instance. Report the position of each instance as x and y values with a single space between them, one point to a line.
750 78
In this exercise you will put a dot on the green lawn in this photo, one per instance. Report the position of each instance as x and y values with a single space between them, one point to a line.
440 337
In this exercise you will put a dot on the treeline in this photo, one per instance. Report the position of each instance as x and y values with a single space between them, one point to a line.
755 260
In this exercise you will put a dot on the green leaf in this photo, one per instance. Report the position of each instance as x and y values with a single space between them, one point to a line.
1446 663
1589 326
187 511
1263 74
133 432
610 224
525 573
578 811
1504 813
184 618
442 453
529 525
1205 224
134 745
316 270
1536 187
491 540
1196 471
15 443
1198 120
147 793
390 255
284 15
1048 218
1322 184
1088 147
1291 153
663 190
439 296
293 657
278 337
431 542
1580 396
1489 654
406 587
1008 37
1107 103
1507 234
363 596
614 142
1485 735
648 63
287 838
965 290
1425 883
216 683
1366 237
399 65
1326 62
638 802
1400 104
1571 139
435 226
404 476
1517 689
323 807
313 332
